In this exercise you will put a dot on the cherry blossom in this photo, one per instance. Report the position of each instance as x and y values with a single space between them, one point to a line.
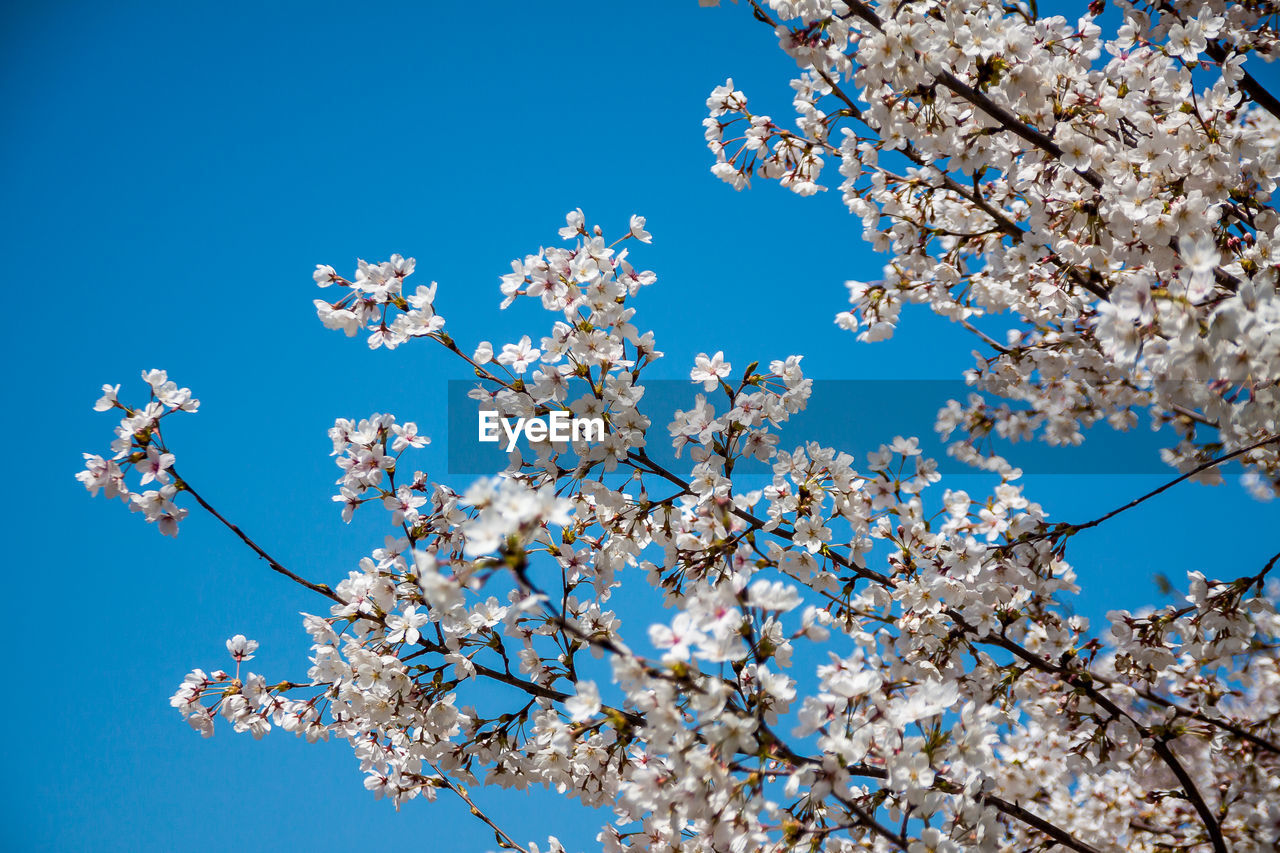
709 371
241 648
1110 196
850 657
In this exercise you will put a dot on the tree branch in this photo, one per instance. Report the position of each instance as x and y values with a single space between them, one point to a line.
1070 529
323 589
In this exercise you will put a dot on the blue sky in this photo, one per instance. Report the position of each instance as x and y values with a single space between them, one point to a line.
174 172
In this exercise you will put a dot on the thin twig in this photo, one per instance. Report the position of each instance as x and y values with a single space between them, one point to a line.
323 589
1075 528
503 839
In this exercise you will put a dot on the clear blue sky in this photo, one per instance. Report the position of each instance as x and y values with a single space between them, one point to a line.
173 172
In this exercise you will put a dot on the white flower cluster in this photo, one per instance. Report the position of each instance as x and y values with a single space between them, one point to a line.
507 507
140 447
377 291
955 702
367 450
1112 196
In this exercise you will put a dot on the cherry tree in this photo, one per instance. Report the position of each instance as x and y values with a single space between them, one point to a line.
852 656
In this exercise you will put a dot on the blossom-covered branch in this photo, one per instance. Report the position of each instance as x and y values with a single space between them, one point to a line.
1117 213
946 697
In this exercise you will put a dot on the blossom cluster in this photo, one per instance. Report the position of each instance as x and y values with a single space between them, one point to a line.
139 447
850 660
1111 196
852 654
378 290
